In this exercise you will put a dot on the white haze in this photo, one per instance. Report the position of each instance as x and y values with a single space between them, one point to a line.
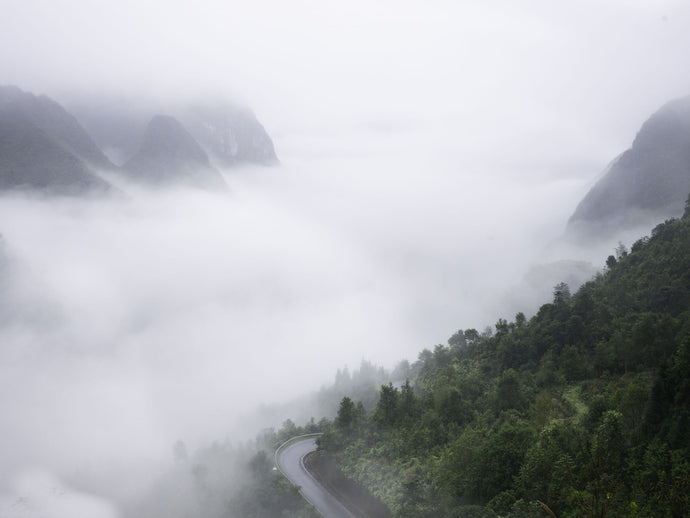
431 154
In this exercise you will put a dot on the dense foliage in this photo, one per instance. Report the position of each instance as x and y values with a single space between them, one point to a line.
582 410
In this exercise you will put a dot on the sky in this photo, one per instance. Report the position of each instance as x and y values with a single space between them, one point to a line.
431 154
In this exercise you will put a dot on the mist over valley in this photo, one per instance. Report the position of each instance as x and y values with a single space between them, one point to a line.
204 245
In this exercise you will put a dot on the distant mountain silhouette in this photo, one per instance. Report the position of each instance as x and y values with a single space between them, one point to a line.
45 148
42 147
646 184
169 154
55 121
230 135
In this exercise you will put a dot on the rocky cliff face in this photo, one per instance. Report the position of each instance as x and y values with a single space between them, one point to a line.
169 154
647 183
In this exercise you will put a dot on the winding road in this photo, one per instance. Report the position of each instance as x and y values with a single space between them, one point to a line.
290 460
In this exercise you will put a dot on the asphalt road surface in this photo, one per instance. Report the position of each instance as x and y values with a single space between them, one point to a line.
290 462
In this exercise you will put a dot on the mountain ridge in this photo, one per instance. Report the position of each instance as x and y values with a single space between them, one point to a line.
169 154
54 120
646 183
45 148
34 160
230 134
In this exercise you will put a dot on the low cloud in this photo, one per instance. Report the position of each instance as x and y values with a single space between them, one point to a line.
131 323
431 156
39 494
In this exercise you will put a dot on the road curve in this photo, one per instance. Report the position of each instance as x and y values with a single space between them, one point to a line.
290 461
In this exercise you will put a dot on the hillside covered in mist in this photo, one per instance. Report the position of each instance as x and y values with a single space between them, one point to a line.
581 410
468 434
173 306
45 149
578 411
646 183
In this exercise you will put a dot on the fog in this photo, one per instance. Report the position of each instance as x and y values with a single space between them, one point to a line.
430 157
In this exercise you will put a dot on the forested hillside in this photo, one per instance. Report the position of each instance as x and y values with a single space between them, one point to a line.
582 410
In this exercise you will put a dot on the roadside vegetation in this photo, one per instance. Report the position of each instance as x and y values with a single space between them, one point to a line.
581 411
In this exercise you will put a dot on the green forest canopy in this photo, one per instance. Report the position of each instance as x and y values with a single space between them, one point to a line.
582 410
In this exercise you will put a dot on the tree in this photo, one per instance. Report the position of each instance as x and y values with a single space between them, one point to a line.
386 412
561 293
621 251
260 465
342 378
509 392
611 262
458 339
520 320
407 402
402 370
607 468
472 337
501 456
346 414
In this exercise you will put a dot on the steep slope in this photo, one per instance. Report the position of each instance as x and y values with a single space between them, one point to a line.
115 125
583 408
51 118
31 159
231 135
647 183
168 155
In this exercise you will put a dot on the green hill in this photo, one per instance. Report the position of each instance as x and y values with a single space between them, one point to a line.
582 410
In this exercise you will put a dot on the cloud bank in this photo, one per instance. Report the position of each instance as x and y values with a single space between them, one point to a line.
429 156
